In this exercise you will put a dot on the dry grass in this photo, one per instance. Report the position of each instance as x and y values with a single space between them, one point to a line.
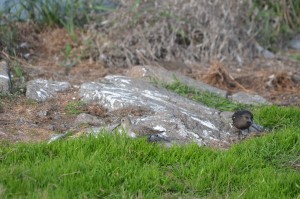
219 76
166 30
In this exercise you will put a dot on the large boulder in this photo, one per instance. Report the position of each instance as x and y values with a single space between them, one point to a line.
160 74
41 90
183 120
247 98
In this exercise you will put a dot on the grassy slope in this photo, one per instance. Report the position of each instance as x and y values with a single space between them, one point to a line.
115 166
207 98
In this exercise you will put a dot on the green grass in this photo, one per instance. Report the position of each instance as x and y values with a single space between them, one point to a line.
207 98
8 38
120 167
270 32
74 108
67 13
276 118
114 166
296 57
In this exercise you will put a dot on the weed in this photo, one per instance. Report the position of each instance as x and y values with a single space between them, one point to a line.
8 38
18 71
19 78
68 50
296 57
31 102
70 57
8 96
74 108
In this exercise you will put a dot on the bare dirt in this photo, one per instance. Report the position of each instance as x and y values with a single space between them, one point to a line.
24 120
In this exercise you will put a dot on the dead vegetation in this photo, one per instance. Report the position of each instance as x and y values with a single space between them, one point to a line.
281 81
219 76
181 36
182 30
273 83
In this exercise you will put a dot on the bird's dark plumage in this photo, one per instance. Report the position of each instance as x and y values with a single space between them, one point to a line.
242 119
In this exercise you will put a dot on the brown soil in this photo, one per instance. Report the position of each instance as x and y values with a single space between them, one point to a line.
24 120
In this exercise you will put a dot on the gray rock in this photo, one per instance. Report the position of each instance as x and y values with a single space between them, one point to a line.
50 127
3 135
56 116
162 75
295 43
21 121
5 78
64 127
266 53
157 138
227 116
42 113
85 118
246 98
41 90
95 131
137 130
296 78
182 120
56 137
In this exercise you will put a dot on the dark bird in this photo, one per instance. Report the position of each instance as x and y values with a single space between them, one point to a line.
242 120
